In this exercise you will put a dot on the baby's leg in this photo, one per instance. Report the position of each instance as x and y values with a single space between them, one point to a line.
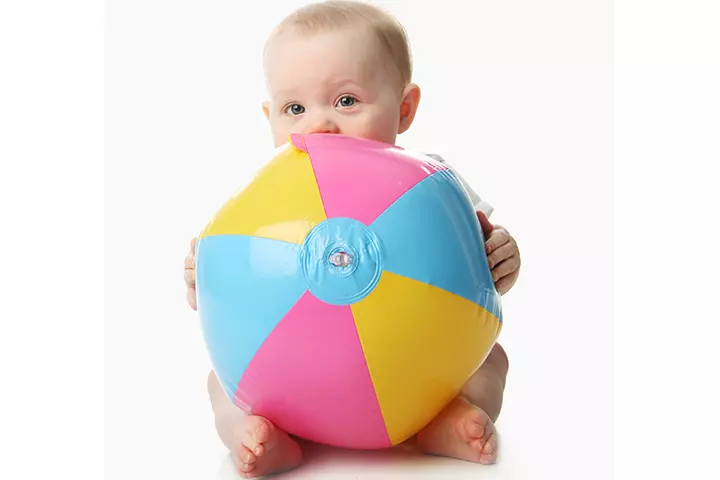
256 446
465 429
485 389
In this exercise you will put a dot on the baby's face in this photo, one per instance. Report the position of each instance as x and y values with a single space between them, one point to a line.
335 82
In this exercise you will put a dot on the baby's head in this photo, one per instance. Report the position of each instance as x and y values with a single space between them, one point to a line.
339 67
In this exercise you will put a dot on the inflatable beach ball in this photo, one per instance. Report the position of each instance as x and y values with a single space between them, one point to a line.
344 294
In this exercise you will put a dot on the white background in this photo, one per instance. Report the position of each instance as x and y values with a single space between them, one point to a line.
534 94
517 95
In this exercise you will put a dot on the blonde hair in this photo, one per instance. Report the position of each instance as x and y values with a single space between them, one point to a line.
338 14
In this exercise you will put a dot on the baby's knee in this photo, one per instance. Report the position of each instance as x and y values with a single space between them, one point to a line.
211 382
500 356
214 389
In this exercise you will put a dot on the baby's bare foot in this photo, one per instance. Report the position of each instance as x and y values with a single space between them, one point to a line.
263 449
461 431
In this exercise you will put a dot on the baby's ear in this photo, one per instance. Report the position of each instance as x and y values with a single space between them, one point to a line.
408 107
266 109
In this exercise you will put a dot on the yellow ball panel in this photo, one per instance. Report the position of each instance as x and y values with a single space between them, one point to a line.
282 203
421 344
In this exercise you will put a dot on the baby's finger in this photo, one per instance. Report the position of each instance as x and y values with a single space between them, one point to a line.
502 253
189 262
505 268
485 224
189 276
193 245
498 238
505 284
192 298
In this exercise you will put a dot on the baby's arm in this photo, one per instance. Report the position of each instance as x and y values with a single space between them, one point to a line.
503 255
190 275
501 248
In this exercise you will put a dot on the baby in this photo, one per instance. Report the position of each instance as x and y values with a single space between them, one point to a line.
345 68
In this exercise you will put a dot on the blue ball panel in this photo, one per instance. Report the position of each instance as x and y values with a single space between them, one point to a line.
245 286
432 234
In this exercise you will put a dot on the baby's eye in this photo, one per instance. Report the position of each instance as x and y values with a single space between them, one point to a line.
295 109
346 101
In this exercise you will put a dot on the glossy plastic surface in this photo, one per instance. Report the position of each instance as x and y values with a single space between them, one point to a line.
345 293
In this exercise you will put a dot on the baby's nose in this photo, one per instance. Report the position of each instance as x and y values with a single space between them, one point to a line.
322 126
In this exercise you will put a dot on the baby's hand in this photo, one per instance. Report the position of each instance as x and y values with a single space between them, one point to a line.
503 255
190 275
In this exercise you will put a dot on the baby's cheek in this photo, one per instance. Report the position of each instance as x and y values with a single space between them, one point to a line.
281 131
379 129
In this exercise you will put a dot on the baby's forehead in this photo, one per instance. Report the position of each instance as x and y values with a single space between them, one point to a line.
335 56
355 40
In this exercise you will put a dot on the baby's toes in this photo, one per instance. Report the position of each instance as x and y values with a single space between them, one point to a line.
262 430
246 456
244 460
486 449
472 428
255 432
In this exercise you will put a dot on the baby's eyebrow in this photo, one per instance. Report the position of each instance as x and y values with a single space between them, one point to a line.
287 93
345 82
